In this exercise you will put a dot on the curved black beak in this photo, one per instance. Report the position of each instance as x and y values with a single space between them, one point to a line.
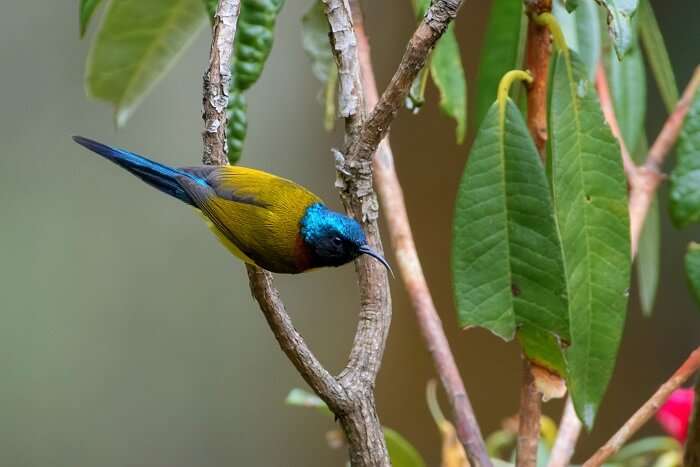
366 250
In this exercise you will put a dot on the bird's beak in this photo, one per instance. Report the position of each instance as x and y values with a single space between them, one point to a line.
365 249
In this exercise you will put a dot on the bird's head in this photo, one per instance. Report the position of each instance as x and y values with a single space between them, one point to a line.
333 238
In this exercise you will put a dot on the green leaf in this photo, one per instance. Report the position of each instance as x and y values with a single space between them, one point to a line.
401 452
87 8
692 269
299 398
685 177
506 257
582 32
448 75
254 36
648 254
628 86
643 447
236 125
137 44
648 258
211 6
653 42
501 52
590 199
619 18
571 5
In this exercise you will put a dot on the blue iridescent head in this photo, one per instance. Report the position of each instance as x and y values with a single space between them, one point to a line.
333 238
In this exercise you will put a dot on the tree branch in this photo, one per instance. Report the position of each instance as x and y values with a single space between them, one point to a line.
646 411
411 271
537 61
350 395
434 24
528 419
567 436
217 82
646 178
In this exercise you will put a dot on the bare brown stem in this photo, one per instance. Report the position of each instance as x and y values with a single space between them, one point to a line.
646 179
411 271
606 104
646 411
537 61
567 436
528 419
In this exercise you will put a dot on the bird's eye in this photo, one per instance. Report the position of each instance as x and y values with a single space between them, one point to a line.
337 241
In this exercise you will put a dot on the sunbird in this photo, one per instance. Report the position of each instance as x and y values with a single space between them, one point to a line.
262 219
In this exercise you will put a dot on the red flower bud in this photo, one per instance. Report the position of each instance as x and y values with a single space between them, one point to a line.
674 414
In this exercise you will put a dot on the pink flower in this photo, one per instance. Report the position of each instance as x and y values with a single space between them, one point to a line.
674 414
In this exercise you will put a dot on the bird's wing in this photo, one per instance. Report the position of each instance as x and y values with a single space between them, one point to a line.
257 212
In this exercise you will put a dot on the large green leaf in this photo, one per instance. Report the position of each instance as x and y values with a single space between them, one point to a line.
692 269
448 75
656 53
628 86
254 36
685 177
581 30
619 18
138 43
86 10
590 199
506 257
501 51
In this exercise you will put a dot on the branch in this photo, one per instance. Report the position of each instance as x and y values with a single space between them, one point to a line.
567 436
606 104
434 24
537 61
646 411
217 81
411 271
350 395
528 419
646 179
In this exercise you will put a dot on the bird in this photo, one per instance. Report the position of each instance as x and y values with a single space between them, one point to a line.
262 219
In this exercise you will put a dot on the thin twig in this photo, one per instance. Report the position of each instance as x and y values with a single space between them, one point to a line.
528 419
648 177
411 271
434 24
217 81
567 435
606 104
646 411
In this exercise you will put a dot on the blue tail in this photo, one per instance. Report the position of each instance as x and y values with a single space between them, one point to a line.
157 175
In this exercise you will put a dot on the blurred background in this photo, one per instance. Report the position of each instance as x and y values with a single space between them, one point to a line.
128 336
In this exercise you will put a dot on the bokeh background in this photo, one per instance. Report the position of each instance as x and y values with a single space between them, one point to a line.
128 336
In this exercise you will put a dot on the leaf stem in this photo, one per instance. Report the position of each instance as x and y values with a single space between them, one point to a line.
504 88
547 19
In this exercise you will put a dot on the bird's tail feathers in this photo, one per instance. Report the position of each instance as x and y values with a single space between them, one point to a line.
157 175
